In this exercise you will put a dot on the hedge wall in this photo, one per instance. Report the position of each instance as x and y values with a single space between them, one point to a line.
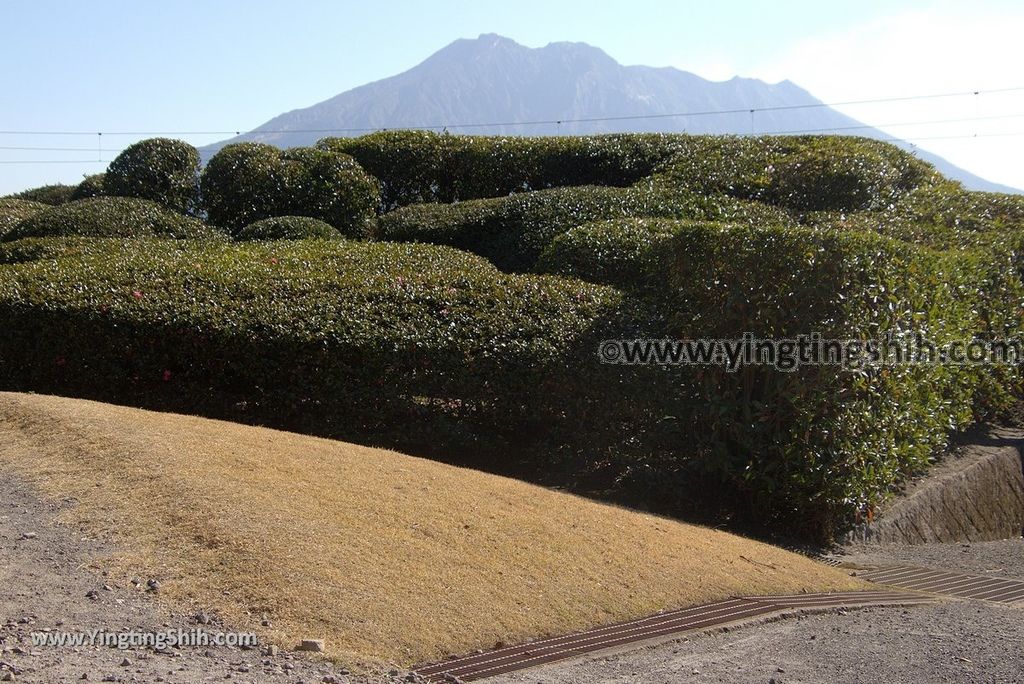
435 349
804 446
110 217
421 166
801 173
388 343
513 231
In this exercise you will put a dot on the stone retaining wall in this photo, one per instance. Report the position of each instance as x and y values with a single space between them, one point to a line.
975 495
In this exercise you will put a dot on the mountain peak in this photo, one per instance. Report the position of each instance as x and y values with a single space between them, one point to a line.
492 85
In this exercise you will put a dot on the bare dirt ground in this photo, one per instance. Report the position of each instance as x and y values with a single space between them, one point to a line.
50 581
953 641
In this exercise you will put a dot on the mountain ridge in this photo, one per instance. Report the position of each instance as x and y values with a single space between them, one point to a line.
492 85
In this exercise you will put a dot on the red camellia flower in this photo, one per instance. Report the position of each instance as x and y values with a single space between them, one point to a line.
167 375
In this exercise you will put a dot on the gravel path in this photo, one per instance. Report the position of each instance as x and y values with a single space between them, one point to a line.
998 558
953 641
50 581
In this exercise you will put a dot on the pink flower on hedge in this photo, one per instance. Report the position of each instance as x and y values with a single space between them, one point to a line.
273 260
167 375
136 294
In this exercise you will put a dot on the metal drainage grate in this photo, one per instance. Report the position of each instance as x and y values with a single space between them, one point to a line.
949 583
662 625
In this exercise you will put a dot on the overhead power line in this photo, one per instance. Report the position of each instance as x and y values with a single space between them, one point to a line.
798 131
544 122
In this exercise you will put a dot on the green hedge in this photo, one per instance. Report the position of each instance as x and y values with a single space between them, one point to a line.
386 342
57 193
436 350
246 182
111 217
622 252
158 169
942 216
808 173
805 446
288 228
421 166
92 186
801 173
513 231
14 211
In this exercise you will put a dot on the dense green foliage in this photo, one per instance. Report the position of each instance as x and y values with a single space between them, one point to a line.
438 348
57 193
513 231
288 228
801 173
14 211
421 166
366 339
110 217
622 252
806 444
91 186
158 169
246 182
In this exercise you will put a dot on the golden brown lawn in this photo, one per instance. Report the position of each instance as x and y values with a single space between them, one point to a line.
387 557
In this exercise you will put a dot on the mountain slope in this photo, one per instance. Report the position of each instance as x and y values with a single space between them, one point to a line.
471 83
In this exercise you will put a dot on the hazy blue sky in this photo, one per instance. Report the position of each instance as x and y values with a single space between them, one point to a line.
226 65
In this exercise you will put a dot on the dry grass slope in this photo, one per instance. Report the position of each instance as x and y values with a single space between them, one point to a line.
389 558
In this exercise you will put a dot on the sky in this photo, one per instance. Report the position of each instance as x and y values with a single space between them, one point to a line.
130 68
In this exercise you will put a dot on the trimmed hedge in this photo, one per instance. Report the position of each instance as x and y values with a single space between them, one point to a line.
421 166
53 195
247 182
92 186
513 231
111 217
805 173
14 211
942 216
386 342
288 228
804 447
158 169
622 252
801 173
436 350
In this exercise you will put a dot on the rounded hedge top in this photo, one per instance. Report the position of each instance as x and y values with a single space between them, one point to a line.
802 173
158 169
247 182
47 194
617 252
92 186
110 217
289 228
14 211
